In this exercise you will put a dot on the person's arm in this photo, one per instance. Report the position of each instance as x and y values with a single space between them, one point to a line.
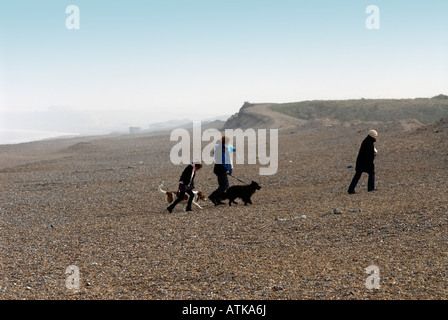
192 182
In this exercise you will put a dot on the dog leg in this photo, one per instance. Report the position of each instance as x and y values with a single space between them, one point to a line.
232 200
197 204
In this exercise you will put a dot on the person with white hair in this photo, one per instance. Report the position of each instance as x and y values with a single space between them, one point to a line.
365 163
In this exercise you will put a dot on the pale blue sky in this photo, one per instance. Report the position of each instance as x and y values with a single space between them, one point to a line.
208 57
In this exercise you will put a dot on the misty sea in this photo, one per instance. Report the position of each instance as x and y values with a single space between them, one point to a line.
22 136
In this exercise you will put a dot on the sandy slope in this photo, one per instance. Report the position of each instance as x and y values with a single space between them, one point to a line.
94 204
261 116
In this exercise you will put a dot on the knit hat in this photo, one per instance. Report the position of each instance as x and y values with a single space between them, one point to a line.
373 133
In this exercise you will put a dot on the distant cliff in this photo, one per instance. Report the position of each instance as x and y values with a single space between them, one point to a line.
260 116
425 110
287 115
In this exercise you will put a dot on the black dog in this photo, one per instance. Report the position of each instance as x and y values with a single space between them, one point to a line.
243 192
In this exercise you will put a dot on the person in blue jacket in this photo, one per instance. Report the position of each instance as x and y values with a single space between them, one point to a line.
223 167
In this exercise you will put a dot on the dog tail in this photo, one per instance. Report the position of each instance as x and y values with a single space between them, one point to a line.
160 187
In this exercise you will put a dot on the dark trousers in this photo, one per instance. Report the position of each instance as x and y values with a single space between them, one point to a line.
223 184
180 197
355 180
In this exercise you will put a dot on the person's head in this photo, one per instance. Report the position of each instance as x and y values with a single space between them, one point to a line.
225 140
197 166
373 134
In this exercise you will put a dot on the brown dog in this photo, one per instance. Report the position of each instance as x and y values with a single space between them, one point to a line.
171 196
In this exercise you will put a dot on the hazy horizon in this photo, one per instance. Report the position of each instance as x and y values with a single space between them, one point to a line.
57 122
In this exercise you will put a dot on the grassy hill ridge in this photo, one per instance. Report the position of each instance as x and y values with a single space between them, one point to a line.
425 110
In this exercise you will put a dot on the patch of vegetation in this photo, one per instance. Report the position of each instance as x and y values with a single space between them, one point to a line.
425 110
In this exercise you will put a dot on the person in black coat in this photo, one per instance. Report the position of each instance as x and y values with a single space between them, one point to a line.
364 163
186 185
